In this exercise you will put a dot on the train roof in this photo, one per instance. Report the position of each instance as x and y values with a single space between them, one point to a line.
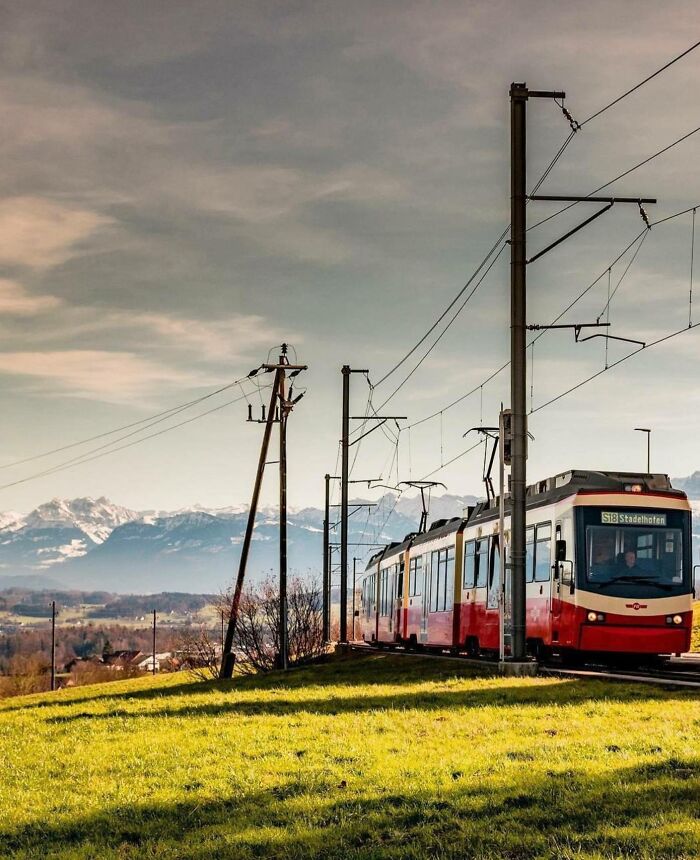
540 493
579 480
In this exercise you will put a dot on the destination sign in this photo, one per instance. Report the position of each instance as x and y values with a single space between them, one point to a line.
631 518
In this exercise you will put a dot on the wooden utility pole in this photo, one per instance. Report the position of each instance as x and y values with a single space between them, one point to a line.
153 667
273 415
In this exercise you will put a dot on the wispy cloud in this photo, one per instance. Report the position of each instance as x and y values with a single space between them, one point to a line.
16 301
39 233
116 377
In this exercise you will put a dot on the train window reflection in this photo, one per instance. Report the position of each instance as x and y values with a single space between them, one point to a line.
469 564
543 552
530 554
634 554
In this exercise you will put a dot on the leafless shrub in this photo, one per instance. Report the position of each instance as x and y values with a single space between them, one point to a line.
199 653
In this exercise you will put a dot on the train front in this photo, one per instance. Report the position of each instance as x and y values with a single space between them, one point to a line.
633 586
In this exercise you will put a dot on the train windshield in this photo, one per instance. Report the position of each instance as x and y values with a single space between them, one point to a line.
634 554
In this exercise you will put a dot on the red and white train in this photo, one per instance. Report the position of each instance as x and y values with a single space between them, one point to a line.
608 570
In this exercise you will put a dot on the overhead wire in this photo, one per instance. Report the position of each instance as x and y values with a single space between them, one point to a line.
174 410
640 84
446 329
88 457
614 364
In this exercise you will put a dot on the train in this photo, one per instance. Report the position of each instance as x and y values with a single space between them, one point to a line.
608 571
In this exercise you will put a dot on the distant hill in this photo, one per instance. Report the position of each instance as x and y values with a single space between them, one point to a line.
691 485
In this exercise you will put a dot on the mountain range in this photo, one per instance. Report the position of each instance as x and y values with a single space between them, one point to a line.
90 543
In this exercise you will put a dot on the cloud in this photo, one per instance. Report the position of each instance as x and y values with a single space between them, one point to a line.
117 377
39 233
16 301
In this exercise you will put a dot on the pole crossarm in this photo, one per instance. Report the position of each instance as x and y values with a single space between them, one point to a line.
560 198
543 94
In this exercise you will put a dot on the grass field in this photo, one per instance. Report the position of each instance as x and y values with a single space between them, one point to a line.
373 757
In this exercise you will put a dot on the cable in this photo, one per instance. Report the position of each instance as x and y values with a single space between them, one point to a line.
449 462
445 330
622 277
640 84
75 461
167 413
614 364
447 309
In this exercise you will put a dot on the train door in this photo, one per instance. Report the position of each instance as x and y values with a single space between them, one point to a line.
555 582
398 602
425 600
494 575
390 592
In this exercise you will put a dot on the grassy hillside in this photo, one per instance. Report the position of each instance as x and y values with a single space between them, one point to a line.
374 757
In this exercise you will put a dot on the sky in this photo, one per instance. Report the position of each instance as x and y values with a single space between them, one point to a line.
185 186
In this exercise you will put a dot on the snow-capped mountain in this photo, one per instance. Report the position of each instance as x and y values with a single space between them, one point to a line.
97 518
93 543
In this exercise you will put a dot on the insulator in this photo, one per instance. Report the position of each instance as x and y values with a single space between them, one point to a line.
250 412
263 412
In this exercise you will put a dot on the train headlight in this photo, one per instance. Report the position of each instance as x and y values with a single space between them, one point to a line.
591 616
677 619
596 616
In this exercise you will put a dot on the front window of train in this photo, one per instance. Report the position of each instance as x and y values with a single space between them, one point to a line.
634 551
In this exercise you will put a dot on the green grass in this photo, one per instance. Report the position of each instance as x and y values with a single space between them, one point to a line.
373 757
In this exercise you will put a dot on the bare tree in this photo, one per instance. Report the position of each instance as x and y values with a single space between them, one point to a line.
257 642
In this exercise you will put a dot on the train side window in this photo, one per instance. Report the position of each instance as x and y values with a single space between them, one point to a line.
469 564
482 562
543 552
415 576
530 554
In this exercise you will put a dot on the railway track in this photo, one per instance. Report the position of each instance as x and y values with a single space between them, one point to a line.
680 672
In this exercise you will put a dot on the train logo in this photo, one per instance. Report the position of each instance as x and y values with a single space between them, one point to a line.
636 606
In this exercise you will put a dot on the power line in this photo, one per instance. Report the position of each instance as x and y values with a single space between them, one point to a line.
447 309
445 330
640 84
614 364
168 413
75 461
453 460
